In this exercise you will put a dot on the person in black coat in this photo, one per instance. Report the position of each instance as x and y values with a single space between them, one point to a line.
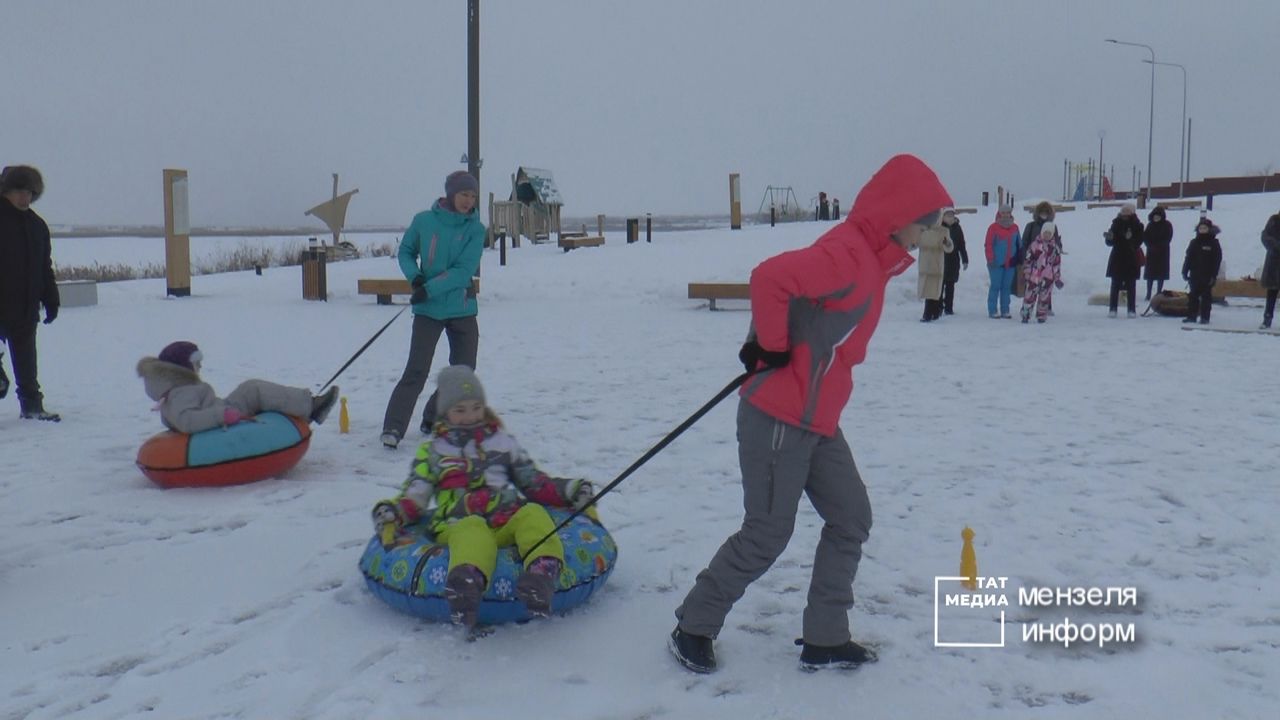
1200 269
1124 237
952 261
824 208
1270 278
26 283
1157 236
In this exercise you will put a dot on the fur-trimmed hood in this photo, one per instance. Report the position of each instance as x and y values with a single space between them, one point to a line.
159 377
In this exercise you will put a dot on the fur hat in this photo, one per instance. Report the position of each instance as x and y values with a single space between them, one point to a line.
455 384
929 219
1044 207
1204 220
1048 229
182 353
459 181
22 177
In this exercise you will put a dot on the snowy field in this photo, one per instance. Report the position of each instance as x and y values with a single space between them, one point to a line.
1083 452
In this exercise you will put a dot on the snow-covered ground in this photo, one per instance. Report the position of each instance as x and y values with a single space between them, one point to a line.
1084 452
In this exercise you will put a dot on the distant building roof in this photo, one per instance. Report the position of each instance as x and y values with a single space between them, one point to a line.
543 184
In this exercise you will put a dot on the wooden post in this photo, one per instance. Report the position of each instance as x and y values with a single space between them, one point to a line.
735 202
177 234
600 225
336 229
502 247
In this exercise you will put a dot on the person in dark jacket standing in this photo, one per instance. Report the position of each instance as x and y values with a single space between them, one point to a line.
1124 238
1200 270
953 262
26 283
1271 268
439 254
1157 236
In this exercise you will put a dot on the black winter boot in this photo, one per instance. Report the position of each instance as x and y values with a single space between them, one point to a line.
322 404
693 651
844 657
1266 325
4 379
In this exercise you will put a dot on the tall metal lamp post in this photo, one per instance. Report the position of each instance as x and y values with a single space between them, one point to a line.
1182 158
1151 121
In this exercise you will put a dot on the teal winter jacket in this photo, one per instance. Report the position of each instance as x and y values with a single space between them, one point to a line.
445 248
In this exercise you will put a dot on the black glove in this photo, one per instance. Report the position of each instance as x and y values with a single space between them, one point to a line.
50 313
1186 276
419 294
752 355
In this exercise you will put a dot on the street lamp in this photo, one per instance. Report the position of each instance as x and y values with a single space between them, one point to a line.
1151 121
1182 174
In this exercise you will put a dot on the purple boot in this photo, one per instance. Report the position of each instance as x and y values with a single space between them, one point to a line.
536 586
463 589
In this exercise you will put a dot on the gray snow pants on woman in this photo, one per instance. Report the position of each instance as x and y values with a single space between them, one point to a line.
464 340
779 462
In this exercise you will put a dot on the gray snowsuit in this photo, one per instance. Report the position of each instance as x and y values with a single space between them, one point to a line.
189 405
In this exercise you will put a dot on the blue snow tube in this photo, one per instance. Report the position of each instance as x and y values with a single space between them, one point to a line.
410 576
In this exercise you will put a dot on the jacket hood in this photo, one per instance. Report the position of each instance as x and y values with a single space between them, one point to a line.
159 377
901 191
442 210
1044 207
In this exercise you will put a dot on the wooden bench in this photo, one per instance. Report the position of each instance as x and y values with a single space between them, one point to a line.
1239 288
569 242
1179 204
714 291
1057 207
1109 203
384 288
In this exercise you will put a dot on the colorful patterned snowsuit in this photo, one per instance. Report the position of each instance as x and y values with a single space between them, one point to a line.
1044 270
474 485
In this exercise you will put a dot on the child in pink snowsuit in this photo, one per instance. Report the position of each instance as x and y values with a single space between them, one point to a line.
1044 273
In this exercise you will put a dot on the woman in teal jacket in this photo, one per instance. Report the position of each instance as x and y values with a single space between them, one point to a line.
439 254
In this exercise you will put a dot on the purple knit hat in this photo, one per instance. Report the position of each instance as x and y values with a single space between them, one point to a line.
182 353
459 181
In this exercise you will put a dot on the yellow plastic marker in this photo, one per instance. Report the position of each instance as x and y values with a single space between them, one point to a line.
344 420
968 560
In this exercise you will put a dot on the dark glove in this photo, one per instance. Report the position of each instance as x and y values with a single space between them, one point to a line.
752 355
50 313
419 294
582 495
1186 276
964 266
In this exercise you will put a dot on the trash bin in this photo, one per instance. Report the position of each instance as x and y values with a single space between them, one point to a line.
314 282
633 230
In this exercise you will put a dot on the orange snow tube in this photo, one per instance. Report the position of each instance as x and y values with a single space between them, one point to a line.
264 446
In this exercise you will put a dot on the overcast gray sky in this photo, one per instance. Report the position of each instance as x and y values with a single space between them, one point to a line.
635 105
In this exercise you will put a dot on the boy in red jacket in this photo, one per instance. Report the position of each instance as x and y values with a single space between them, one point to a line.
813 313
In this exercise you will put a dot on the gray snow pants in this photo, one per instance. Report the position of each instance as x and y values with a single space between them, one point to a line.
779 462
254 396
464 341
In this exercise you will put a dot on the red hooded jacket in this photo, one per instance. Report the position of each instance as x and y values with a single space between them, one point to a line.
823 302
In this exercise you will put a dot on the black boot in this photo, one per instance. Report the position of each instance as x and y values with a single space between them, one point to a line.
693 651
1266 325
4 379
844 657
322 404
35 411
